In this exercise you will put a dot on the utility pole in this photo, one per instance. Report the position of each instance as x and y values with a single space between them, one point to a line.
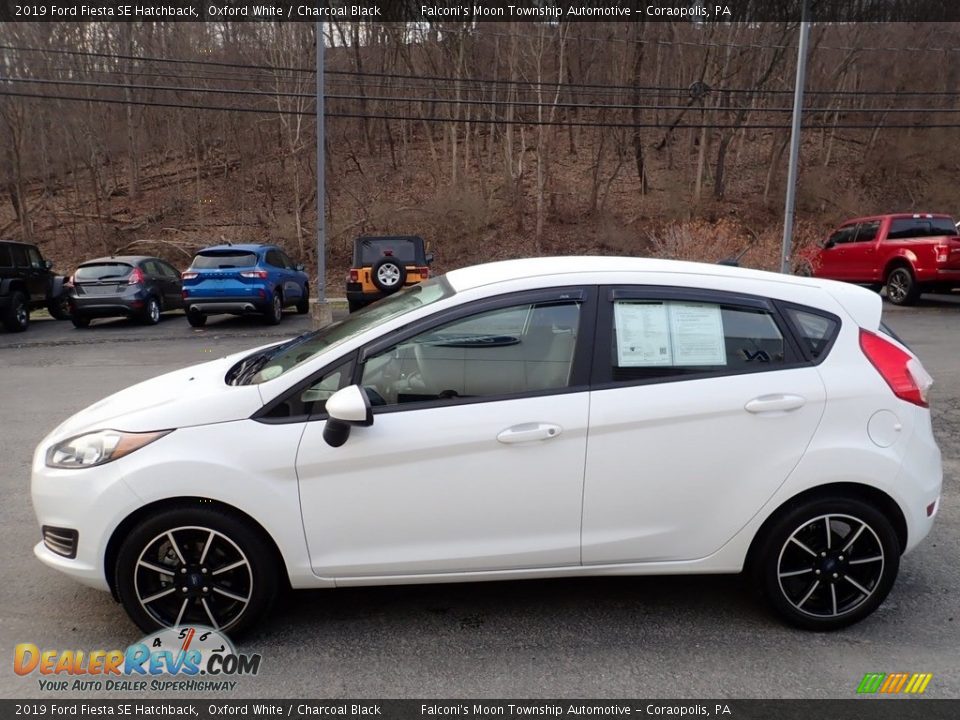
791 201
323 314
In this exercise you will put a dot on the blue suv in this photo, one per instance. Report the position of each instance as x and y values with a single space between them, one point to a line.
244 279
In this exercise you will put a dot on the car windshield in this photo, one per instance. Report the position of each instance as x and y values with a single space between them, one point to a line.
220 259
275 361
102 271
370 250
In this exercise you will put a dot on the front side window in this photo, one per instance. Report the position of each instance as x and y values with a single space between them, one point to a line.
510 351
661 339
843 235
36 262
275 361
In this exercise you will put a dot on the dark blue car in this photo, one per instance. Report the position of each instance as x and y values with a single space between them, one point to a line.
244 279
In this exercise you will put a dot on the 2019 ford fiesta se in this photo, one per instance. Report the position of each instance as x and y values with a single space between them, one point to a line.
535 418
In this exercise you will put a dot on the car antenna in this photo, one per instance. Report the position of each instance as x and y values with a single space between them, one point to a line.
734 260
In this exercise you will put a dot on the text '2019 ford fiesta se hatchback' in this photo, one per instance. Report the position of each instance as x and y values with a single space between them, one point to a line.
523 419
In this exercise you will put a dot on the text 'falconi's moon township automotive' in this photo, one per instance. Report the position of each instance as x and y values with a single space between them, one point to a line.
524 419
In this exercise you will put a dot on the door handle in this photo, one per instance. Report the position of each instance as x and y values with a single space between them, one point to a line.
774 403
529 432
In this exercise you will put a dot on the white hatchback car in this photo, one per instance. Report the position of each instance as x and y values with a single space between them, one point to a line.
523 419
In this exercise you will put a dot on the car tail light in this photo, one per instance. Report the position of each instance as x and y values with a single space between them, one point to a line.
136 277
354 276
943 253
901 371
189 276
254 274
424 273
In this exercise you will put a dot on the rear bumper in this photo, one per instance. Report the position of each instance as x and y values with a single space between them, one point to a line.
101 307
226 305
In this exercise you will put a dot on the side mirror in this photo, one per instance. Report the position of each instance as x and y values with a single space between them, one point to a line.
298 266
346 408
48 264
429 258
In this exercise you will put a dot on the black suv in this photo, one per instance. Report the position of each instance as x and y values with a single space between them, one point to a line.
26 283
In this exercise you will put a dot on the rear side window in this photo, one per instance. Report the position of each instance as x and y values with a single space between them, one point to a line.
102 271
867 232
19 253
223 260
663 339
6 260
275 259
905 228
815 331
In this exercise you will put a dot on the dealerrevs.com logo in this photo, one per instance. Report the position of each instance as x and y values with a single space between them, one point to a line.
190 658
894 683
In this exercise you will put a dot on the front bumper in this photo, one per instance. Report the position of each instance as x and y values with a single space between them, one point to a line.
93 502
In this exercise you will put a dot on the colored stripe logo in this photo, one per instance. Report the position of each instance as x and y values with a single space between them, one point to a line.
894 683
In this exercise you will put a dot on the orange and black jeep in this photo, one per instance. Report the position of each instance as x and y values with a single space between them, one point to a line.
382 265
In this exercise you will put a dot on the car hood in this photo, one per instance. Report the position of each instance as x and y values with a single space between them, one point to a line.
196 395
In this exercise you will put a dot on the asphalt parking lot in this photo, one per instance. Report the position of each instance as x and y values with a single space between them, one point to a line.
692 637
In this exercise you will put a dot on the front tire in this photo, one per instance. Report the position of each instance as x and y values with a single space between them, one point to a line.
196 565
902 287
303 305
828 563
17 317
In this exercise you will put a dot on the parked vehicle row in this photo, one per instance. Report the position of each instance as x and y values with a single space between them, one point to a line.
905 254
27 282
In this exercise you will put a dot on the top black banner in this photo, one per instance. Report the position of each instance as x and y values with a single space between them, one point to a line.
460 11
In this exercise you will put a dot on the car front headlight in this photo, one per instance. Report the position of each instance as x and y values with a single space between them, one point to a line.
98 448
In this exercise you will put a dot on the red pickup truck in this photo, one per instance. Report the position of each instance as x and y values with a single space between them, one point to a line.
908 254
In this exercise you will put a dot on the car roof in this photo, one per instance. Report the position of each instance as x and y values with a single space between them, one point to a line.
130 259
17 242
245 247
506 270
897 216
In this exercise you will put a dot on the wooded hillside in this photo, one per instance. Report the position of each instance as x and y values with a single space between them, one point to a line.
491 140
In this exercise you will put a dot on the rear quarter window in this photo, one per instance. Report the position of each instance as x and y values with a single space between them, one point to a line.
905 228
6 259
816 332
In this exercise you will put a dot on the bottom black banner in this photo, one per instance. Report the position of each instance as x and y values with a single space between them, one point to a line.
859 709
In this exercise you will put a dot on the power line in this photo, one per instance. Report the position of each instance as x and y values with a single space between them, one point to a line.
268 94
464 80
488 121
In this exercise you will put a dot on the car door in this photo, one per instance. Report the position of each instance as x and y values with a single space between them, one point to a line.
860 254
173 285
702 405
280 275
474 461
37 276
832 258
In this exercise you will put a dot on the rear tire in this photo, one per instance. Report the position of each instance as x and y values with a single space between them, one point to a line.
17 317
79 321
196 318
59 308
273 314
902 287
236 598
817 583
151 312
